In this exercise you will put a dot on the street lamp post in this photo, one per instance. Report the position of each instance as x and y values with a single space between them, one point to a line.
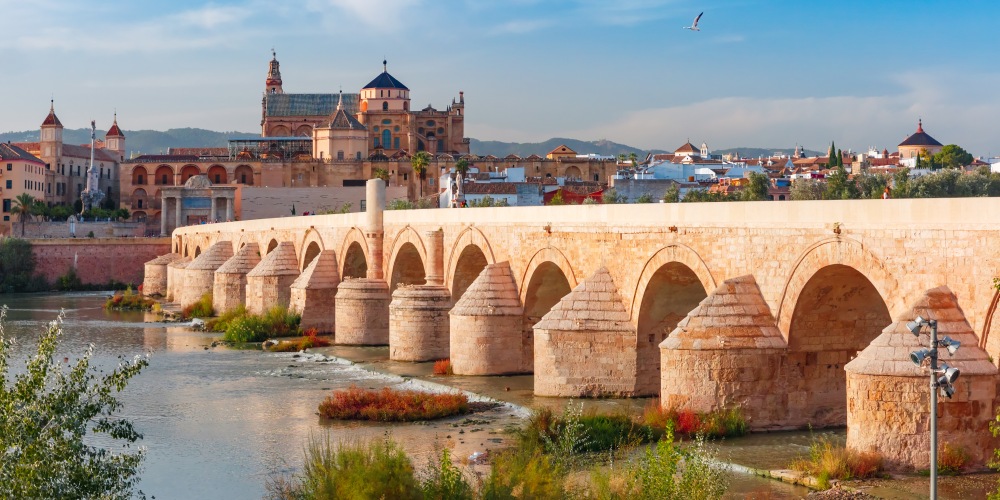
942 377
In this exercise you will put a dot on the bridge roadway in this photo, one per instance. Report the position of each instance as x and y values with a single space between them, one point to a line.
832 274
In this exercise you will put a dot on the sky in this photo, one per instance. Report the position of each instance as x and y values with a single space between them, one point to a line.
759 73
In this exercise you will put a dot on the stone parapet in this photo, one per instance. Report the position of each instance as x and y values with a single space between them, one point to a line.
313 294
487 326
362 312
199 277
419 323
585 345
269 283
230 288
154 283
888 396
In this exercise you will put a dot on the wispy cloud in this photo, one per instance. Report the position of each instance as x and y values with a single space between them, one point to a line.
729 39
520 27
627 12
383 15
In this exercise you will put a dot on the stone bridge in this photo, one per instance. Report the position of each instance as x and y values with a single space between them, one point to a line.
764 303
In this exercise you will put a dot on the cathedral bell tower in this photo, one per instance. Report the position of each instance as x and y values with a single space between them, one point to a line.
114 140
273 82
51 136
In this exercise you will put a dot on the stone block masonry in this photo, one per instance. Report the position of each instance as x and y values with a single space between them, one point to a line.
97 260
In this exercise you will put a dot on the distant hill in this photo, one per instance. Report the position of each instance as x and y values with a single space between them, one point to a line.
765 152
141 141
602 147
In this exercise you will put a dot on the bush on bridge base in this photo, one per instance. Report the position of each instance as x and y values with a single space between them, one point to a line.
128 301
246 327
391 405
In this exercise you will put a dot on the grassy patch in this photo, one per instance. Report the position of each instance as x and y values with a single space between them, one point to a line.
128 301
391 405
201 309
829 461
721 423
241 326
951 460
308 340
443 367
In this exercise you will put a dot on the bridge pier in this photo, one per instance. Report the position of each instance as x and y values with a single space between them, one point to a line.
418 315
728 352
585 345
888 408
230 288
269 283
154 282
199 275
313 293
175 275
487 326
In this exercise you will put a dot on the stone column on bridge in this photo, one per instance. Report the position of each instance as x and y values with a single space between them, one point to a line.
269 283
727 352
199 276
585 345
229 210
314 293
212 210
154 281
362 305
487 325
888 409
163 217
418 315
178 214
229 289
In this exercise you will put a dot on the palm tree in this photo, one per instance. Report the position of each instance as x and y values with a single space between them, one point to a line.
634 158
420 161
462 166
22 208
381 173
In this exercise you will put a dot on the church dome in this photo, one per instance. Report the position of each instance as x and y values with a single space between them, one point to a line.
385 81
920 138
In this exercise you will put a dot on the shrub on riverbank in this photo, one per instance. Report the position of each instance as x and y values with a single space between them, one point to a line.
308 340
729 422
241 326
128 301
828 461
443 367
17 267
391 405
201 309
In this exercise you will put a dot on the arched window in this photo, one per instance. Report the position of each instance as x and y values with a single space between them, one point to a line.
386 138
406 106
385 106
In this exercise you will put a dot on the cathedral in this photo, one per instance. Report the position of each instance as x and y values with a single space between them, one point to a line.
345 126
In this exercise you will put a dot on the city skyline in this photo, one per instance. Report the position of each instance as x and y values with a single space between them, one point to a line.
761 74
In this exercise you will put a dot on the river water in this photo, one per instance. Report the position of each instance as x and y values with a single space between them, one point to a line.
218 422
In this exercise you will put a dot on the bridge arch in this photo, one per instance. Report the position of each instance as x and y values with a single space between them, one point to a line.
672 283
354 256
470 254
271 245
548 278
407 256
309 247
832 307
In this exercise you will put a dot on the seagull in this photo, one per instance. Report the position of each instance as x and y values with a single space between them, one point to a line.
694 25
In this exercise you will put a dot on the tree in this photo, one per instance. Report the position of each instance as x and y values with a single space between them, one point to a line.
22 206
381 173
840 187
634 159
756 189
419 162
951 156
832 156
557 199
50 411
806 189
644 198
462 166
871 186
611 197
672 194
39 208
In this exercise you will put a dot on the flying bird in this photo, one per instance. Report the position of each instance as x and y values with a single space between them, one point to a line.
694 25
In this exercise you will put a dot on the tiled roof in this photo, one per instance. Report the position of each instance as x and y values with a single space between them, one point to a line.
594 305
10 152
490 188
52 119
493 293
687 148
563 150
163 158
281 261
385 81
215 256
344 121
307 104
84 152
114 131
533 157
920 138
321 273
243 261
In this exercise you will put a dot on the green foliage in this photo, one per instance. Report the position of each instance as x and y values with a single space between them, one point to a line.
522 473
589 201
831 156
756 189
381 173
672 194
60 212
128 301
488 201
343 209
17 267
21 208
221 323
611 197
995 431
668 471
871 186
829 461
462 166
277 322
951 156
703 195
71 282
400 204
644 198
420 161
840 187
377 470
201 309
557 199
443 481
50 413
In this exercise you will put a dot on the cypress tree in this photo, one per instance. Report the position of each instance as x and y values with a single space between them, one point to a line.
832 162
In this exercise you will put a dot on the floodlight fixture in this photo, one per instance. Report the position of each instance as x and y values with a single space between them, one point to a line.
915 325
948 390
951 344
949 374
918 357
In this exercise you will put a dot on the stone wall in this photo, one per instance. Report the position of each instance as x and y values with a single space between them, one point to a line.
97 260
264 203
82 229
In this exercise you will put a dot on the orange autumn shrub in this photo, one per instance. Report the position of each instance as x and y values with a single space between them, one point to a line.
391 405
443 367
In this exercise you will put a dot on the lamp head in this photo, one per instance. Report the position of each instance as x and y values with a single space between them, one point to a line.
947 390
915 325
951 344
950 373
918 357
